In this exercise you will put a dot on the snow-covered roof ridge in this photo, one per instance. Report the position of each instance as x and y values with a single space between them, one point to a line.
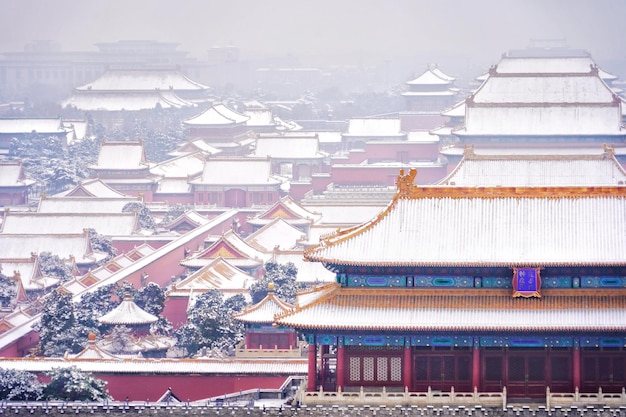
475 225
143 79
542 167
217 115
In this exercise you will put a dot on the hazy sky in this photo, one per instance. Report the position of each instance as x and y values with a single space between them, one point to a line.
363 29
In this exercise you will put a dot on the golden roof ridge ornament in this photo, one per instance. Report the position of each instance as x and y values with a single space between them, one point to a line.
405 183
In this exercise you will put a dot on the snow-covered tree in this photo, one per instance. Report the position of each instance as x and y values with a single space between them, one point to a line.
174 211
94 305
101 243
53 265
151 298
284 278
146 220
58 330
8 290
211 324
16 385
72 384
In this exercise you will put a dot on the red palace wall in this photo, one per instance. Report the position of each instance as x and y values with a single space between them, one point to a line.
20 347
186 387
175 310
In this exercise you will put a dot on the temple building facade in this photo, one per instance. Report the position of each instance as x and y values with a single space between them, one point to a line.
515 289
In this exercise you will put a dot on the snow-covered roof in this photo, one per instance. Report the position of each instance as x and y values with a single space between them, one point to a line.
561 120
259 117
539 169
217 115
231 247
333 307
161 366
276 234
375 127
128 313
457 110
93 187
341 215
547 65
12 175
218 274
182 166
238 171
64 246
487 226
194 146
125 100
28 125
143 79
93 352
109 224
29 274
173 186
546 97
263 311
121 155
539 89
329 136
289 210
84 204
288 147
432 77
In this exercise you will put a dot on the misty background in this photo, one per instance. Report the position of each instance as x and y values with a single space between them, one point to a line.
462 37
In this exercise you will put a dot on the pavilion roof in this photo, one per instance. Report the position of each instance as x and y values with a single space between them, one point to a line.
486 226
128 313
24 125
400 309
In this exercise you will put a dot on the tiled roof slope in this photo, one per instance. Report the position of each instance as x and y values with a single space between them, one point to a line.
454 310
486 226
536 170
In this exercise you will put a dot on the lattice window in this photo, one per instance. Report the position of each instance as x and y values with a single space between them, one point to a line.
368 368
381 371
355 369
396 368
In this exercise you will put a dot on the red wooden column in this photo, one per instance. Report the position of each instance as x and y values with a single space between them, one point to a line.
341 367
576 366
407 375
323 365
476 366
312 372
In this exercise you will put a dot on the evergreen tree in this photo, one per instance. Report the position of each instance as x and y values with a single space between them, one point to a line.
72 384
16 385
146 220
211 324
57 319
284 278
8 290
53 265
151 298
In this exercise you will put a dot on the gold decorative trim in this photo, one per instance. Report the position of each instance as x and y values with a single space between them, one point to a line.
408 190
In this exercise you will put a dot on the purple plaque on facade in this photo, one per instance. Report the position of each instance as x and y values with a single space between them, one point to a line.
526 282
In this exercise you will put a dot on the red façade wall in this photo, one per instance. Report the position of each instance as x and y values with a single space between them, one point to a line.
186 387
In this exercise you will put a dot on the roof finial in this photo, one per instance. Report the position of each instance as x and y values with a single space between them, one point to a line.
270 287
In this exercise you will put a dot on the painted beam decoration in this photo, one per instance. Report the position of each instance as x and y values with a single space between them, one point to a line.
526 282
